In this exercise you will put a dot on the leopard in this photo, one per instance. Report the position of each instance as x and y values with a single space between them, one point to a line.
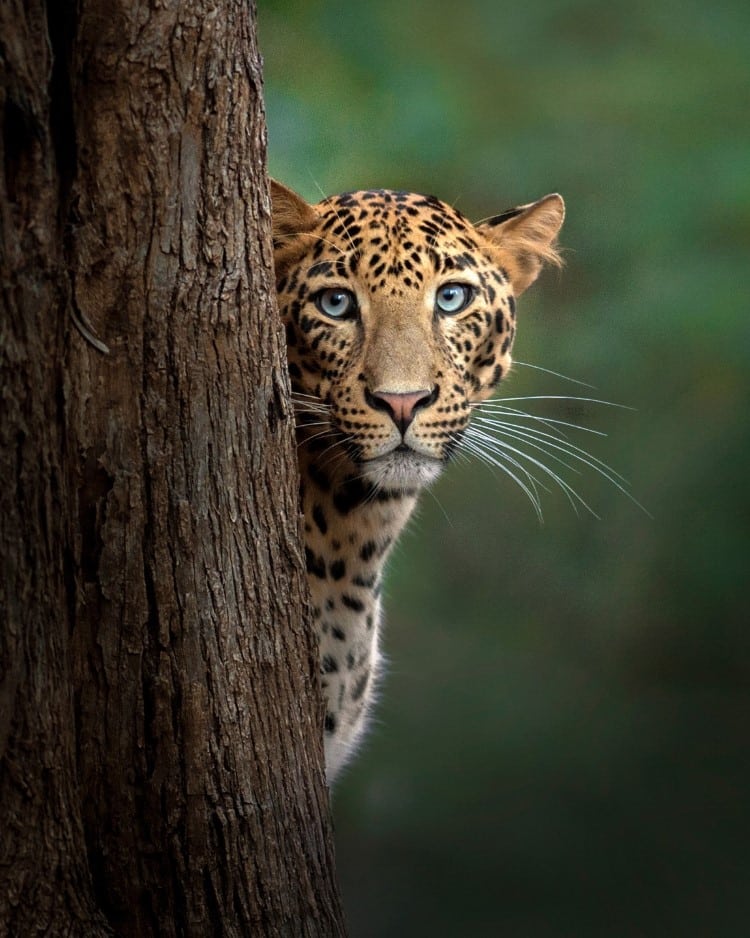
400 317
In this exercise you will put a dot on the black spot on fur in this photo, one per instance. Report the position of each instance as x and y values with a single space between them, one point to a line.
360 685
320 519
350 495
503 216
329 664
319 478
315 565
367 550
351 602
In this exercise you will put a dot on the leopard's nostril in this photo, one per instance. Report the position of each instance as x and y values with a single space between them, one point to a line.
401 406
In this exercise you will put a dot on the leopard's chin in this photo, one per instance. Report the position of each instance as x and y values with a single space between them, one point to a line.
402 468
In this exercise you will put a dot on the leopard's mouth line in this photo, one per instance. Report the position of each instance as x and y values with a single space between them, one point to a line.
404 454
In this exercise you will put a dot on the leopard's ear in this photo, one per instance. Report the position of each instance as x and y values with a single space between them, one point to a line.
291 214
526 238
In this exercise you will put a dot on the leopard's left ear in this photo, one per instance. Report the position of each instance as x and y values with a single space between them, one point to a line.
291 214
526 238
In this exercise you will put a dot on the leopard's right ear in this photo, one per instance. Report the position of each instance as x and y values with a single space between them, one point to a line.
291 214
526 237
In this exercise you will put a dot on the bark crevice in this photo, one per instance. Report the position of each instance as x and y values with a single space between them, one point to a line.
61 31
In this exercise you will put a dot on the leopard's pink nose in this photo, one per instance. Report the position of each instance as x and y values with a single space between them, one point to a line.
401 406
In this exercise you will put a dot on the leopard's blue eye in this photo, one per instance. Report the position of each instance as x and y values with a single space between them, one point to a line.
336 303
452 298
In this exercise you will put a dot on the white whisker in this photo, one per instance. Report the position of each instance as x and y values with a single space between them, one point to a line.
550 421
570 449
504 411
313 397
530 492
339 451
551 439
559 397
440 504
322 434
568 489
497 449
557 374
520 435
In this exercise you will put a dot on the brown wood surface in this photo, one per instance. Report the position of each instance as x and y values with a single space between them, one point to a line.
159 716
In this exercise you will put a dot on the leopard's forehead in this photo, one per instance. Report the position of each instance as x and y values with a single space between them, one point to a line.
396 239
391 203
396 215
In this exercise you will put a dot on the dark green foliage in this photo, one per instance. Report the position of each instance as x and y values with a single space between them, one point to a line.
562 744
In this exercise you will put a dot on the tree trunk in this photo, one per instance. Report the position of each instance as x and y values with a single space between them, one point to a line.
162 768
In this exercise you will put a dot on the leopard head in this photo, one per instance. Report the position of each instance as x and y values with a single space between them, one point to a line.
400 314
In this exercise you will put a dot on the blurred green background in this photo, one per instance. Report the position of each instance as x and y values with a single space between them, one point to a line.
562 747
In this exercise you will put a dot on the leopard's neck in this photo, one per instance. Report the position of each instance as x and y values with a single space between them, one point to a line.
350 528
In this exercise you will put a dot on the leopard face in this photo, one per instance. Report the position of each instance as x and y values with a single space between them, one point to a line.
400 314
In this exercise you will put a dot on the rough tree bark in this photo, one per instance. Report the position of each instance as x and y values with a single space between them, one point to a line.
159 721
